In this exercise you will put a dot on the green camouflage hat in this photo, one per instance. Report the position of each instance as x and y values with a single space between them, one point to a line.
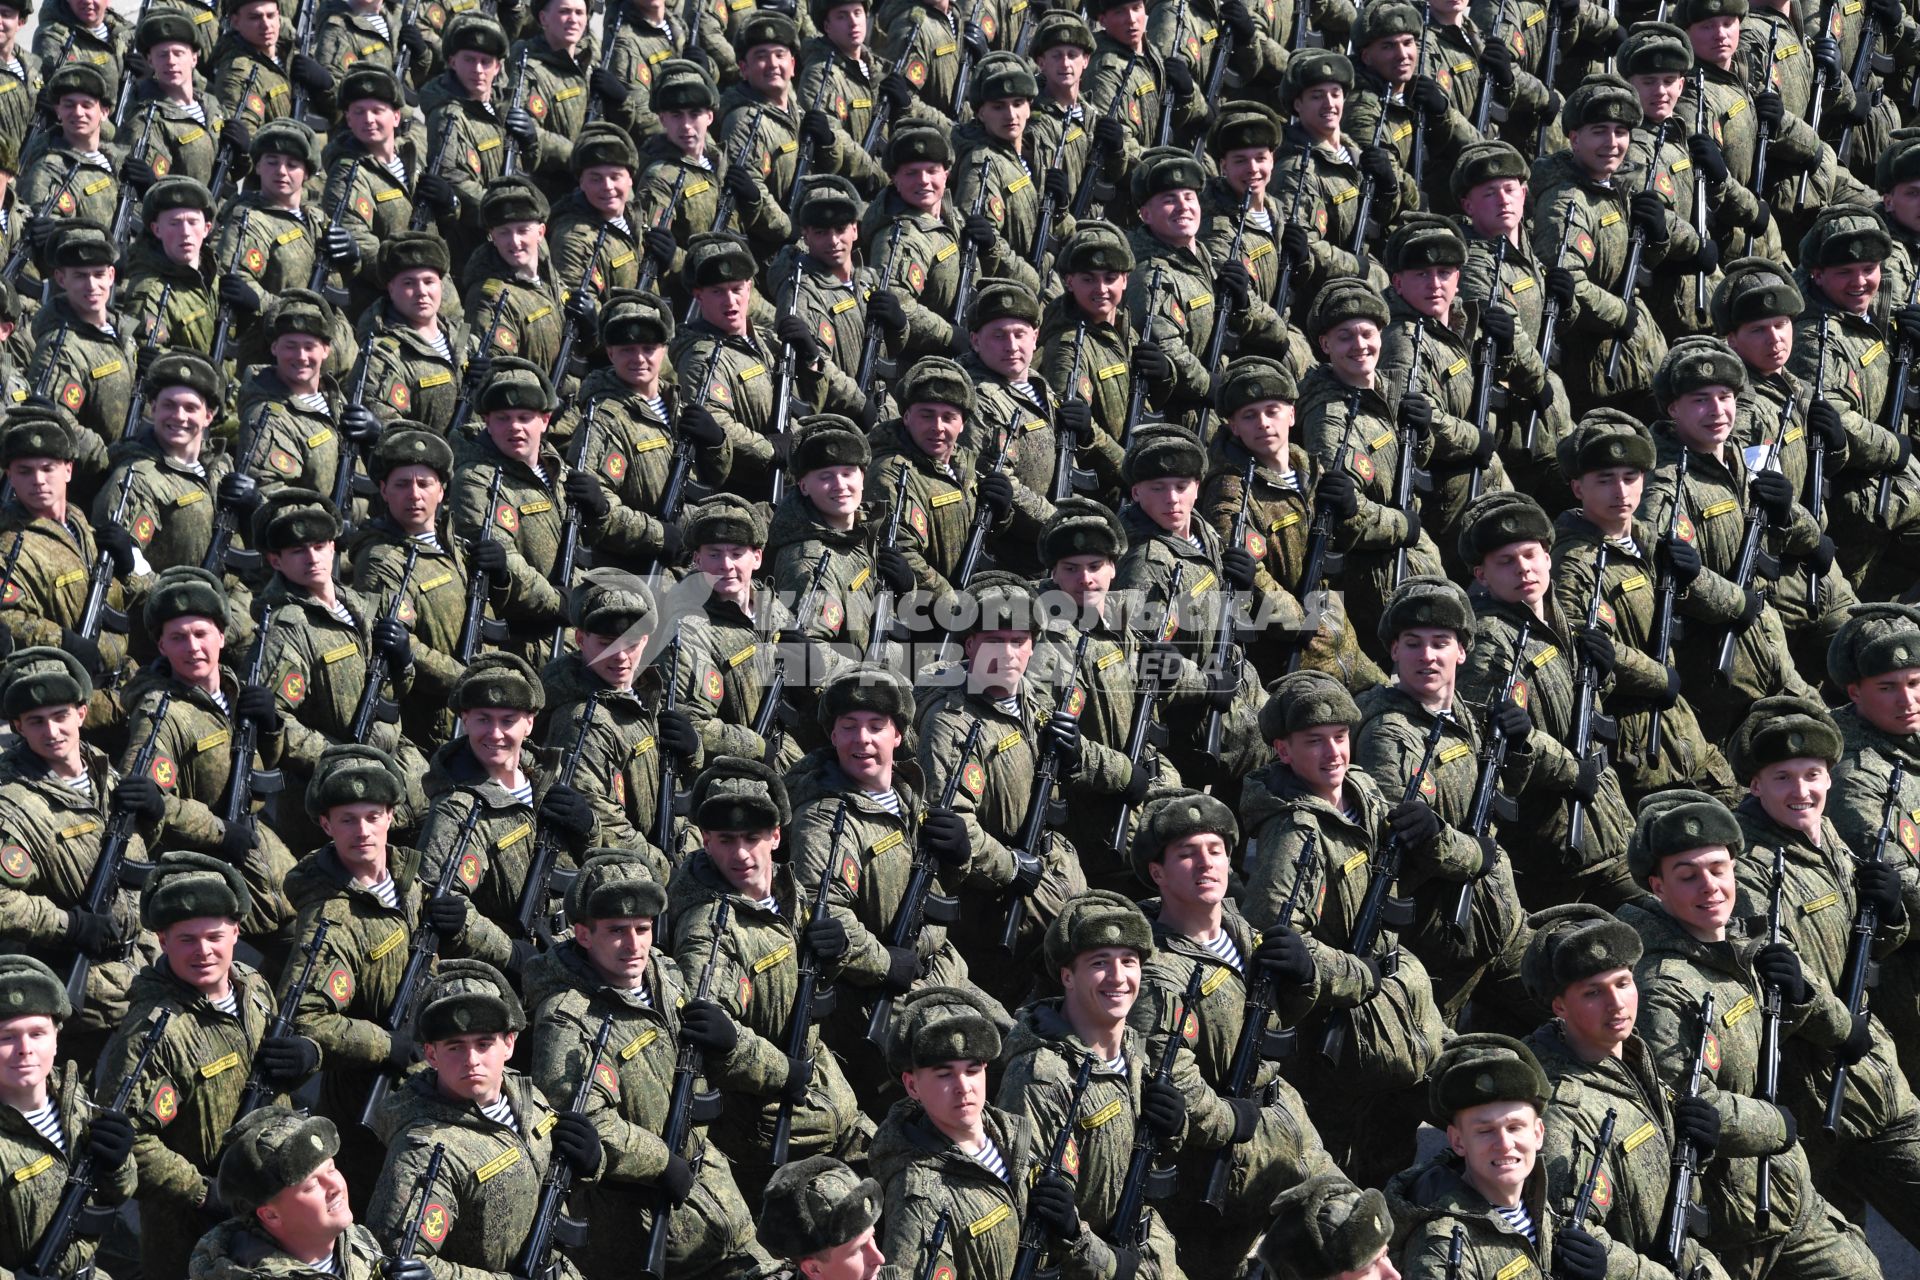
190 370
828 200
192 886
1679 821
1783 728
28 989
185 591
1694 363
1496 520
269 1151
602 143
936 380
1302 700
736 794
1094 919
717 258
175 191
682 85
514 384
1326 1226
1162 169
1605 438
1601 99
933 1026
870 687
1572 942
1082 527
615 884
827 440
1845 233
1425 240
813 1205
1427 602
351 773
509 200
467 997
410 448
1176 816
1480 162
1874 640
606 602
498 682
1753 289
1161 452
630 317
726 518
1001 75
1482 1067
1096 246
1254 380
42 676
1655 48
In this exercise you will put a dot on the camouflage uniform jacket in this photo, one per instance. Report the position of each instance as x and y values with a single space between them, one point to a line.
796 542
301 447
1431 1200
619 769
318 666
528 517
240 68
532 320
170 509
92 380
237 1250
36 1175
726 662
940 505
408 377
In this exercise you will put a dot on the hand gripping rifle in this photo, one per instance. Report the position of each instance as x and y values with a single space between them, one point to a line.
1549 75
1379 910
217 184
1590 1185
244 781
1771 999
885 605
670 802
1321 561
1817 103
530 915
65 1223
1861 74
970 256
1364 212
800 1019
469 388
374 704
108 870
785 384
1066 476
963 78
1636 249
1902 385
1145 727
803 163
563 564
223 319
1408 474
1588 719
1143 1181
1489 801
1861 972
1753 560
724 208
767 721
1222 314
1486 362
920 901
346 469
222 556
123 211
685 1108
675 496
23 251
149 345
1043 813
1666 597
1763 135
1090 177
1033 1236
1258 1044
1682 1216
322 265
537 1253
258 1093
1283 288
1483 101
1137 386
610 25
475 625
877 122
422 1190
569 338
304 17
1417 158
97 615
649 267
976 544
516 100
868 372
1230 615
1043 229
1163 128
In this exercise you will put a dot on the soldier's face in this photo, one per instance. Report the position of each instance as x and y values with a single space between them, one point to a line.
309 567
997 660
359 835
768 67
471 1067
1126 22
476 72
298 358
310 1213
1610 495
1061 69
564 22
1192 872
373 122
865 743
1102 984
1715 40
519 242
1850 286
192 647
1447 12
1426 659
832 246
495 735
921 183
53 734
729 566
517 432
638 363
1890 702
1392 58
1495 207
1766 343
847 26
1659 92
1168 501
28 1047
618 948
858 1259
181 233
1697 889
173 62
415 294
1249 169
1006 118
413 495
1599 149
1599 1012
1098 293
1085 579
745 858
1498 1142
1264 427
724 305
40 483
90 12
1006 346
1903 204
1794 793
1518 573
612 658
1704 418
607 188
1319 756
11 20
1352 347
80 114
1173 216
200 951
687 129
281 177
88 289
836 491
935 427
953 1093
1428 290
1321 109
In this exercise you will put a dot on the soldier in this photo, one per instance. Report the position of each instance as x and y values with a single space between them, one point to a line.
1245 142
927 35
469 133
823 283
740 807
991 153
76 172
1328 1229
1092 351
170 265
1183 849
216 1039
1155 81
421 354
92 374
1786 752
838 55
190 135
606 970
1683 851
821 1217
19 106
514 303
1395 97
289 1200
912 234
594 232
759 117
369 197
251 80
562 74
823 517
49 1114
475 1107
267 239
300 424
1096 142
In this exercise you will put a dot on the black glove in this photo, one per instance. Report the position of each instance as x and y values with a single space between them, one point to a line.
1560 288
1681 559
1151 364
110 1138
339 248
40 229
307 72
1237 565
437 194
1222 684
996 494
137 173
974 37
1820 559
740 185
1076 418
1377 163
1163 1108
1415 823
237 295
1708 158
978 231
584 310
236 137
1859 1041
827 939
607 86
140 796
401 1052
660 246
675 732
799 1072
1649 214
1141 777
135 65
1285 957
943 834
568 811
358 424
1296 244
1338 492
238 839
1776 965
95 933
1879 883
585 491
1706 259
794 331
1770 110
1109 135
391 639
118 544
1496 63
1772 492
891 564
1695 1120
286 1061
698 424
86 651
899 93
1586 782
1514 721
676 1179
445 914
1051 1203
1061 737
885 309
706 1026
1179 76
1416 415
1578 1256
1234 284
416 46
816 127
254 704
577 1142
1596 647
489 556
521 128
1240 21
1826 55
1823 420
1426 96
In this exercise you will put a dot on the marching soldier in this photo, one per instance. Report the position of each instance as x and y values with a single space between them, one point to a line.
300 428
252 80
1091 350
513 298
563 74
190 135
825 285
1328 1229
472 137
605 166
759 117
375 164
77 172
822 1217
92 375
913 235
824 517
420 348
267 238
991 158
171 258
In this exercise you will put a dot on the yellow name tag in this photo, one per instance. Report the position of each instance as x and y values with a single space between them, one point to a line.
1107 373
752 371
941 51
641 747
773 957
1546 655
1341 197
214 1068
1640 1137
188 499
1785 51
290 236
981 1225
1638 582
886 844
537 507
860 580
620 260
649 445
488 144
45 1163
1206 580
1286 521
213 740
1103 1115
385 946
1819 904
66 579
75 832
191 135
1521 285
1020 183
1610 217
1793 434
332 656
945 499
319 437
1457 368
1872 353
1107 660
696 188
95 187
1739 105
1379 441
843 306
382 197
514 836
743 655
1007 743
1199 300
1680 166
1519 1266
638 1043
540 1130
497 1166
1353 864
1211 983
945 252
568 94
861 104
109 368
1401 131
1465 64
787 148
436 581
1724 507
1455 752
1260 251
539 313
1739 1011
1536 18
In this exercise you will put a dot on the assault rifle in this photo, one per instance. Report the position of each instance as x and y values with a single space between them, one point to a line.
108 871
258 1092
1771 999
784 384
1682 1216
1222 315
669 803
1488 800
1230 616
571 336
1407 473
685 1108
223 318
1043 812
800 1018
1590 1185
475 625
563 564
149 345
374 704
877 123
123 211
322 265
1860 970
97 615
535 895
1033 1236
970 256
1588 719
1752 560
767 721
244 781
536 1255
1666 597
1096 161
1630 278
650 268
1143 1181
868 370
884 603
1144 728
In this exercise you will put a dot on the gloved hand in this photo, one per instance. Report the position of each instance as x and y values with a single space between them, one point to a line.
793 331
1826 57
489 556
943 834
1706 259
1498 324
740 185
660 247
698 424
996 494
1179 76
1820 559
903 970
86 651
816 127
1338 492
445 914
885 309
676 1179
1586 783
1708 158
1772 492
1076 418
1416 415
1051 1202
1296 244
584 310
1596 647
1236 563
1680 558
1649 215
1109 135
1578 1256
520 126
135 66
238 839
1026 873
1141 777
254 705
577 1142
608 87
1770 110
1695 1120
676 734
118 544
1859 1041
827 939
137 173
978 230
899 93
568 811
799 1072
1776 965
1415 823
236 137
1222 684
1151 364
96 933
1824 421
286 1061
1756 604
585 491
1515 722
1061 737
891 564
401 1051
140 796
1163 1108
1561 287
437 194
706 1026
307 72
40 229
339 248
415 44
110 1139
1426 96
237 295
1285 957
1233 284
1496 63
1889 14
974 37
1240 21
1879 884
358 424
1377 163
391 639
